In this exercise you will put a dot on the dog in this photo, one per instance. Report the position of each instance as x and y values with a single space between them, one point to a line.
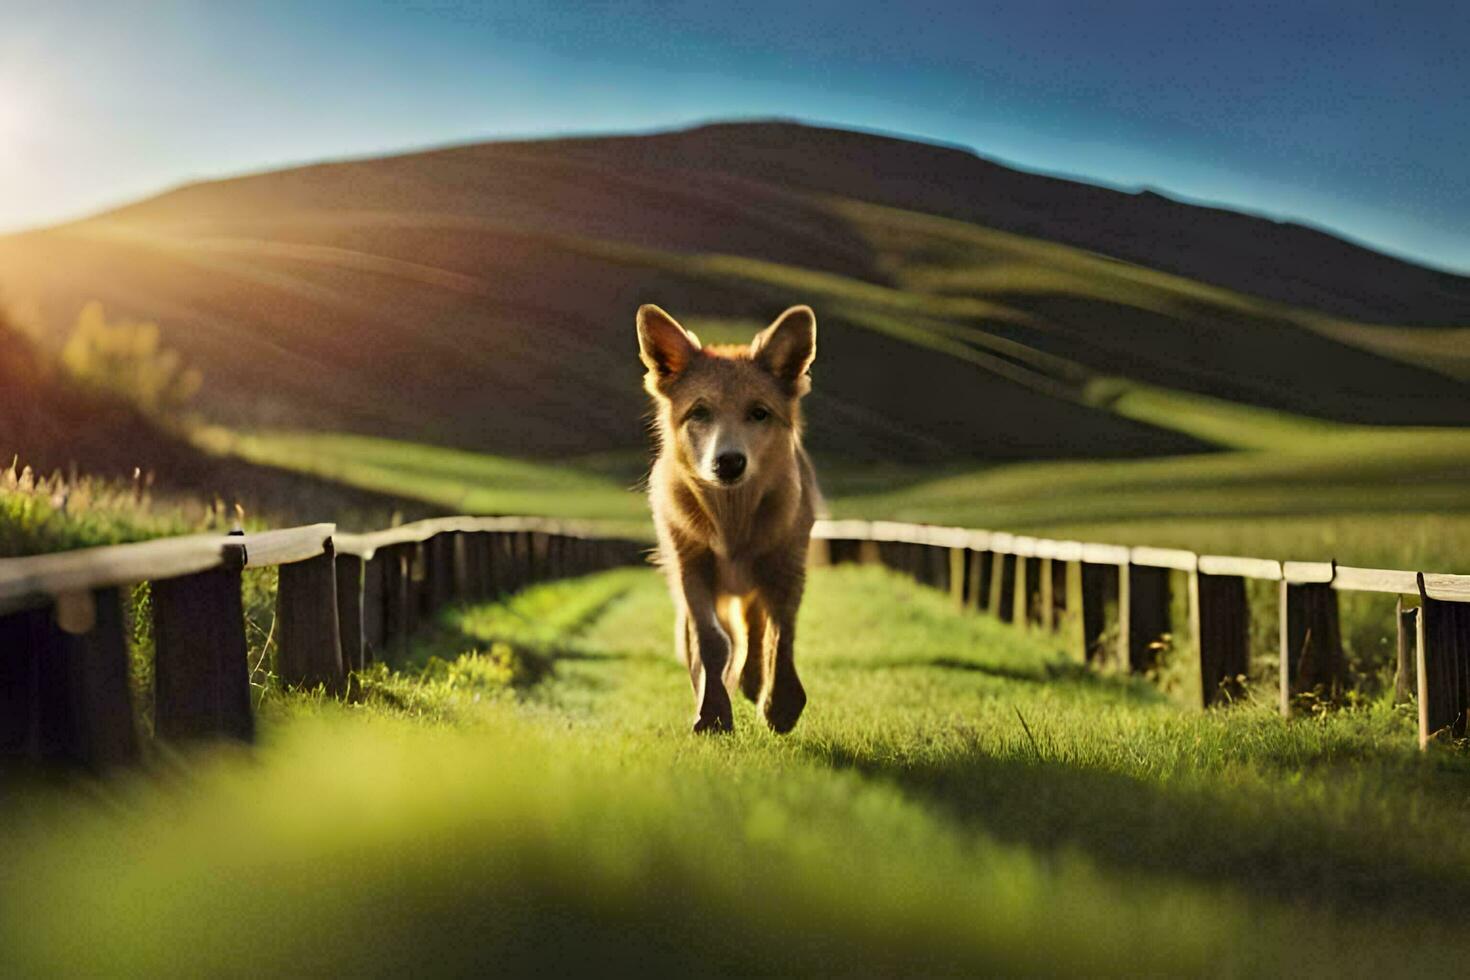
734 497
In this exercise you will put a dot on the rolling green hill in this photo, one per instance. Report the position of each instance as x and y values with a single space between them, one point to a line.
481 298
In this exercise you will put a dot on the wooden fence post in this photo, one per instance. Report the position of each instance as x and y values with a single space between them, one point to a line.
485 552
1002 586
957 566
1029 589
1021 592
505 564
978 585
17 683
1060 592
201 666
479 555
398 601
1148 614
1221 618
310 640
350 611
1311 641
1444 666
462 567
936 566
65 684
1405 673
1046 601
1097 582
539 550
438 553
374 606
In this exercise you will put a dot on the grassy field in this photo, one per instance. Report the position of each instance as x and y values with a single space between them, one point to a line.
1281 486
459 481
958 798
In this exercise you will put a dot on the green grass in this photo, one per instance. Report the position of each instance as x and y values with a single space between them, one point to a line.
460 481
958 798
1282 487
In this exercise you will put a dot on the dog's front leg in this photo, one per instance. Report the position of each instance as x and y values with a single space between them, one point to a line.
783 698
710 653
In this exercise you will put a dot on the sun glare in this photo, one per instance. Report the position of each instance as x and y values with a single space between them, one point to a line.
13 114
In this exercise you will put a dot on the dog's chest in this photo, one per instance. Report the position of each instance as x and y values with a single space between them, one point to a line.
734 577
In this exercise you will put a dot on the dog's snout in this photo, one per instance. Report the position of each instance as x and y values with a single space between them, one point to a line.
729 466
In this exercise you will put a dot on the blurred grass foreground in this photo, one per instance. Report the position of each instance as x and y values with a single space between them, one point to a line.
519 793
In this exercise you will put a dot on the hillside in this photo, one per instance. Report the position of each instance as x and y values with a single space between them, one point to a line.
54 425
481 297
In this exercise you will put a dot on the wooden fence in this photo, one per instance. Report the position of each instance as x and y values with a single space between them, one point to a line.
341 600
1116 604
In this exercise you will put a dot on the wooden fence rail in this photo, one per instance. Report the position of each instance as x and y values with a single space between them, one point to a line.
341 599
344 599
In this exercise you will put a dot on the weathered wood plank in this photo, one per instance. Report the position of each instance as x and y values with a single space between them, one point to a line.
36 580
1308 572
264 549
1350 579
1183 561
1229 566
1447 588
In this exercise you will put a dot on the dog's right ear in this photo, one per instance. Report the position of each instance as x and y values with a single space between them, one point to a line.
664 347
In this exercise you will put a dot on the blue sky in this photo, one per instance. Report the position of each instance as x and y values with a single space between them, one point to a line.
1353 117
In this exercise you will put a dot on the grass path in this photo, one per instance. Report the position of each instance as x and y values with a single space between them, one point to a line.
957 798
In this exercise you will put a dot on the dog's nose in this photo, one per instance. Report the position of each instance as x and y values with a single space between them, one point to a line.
729 466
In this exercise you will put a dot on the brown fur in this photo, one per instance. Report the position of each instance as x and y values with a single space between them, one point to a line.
735 553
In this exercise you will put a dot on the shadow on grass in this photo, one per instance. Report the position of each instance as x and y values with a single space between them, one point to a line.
1261 842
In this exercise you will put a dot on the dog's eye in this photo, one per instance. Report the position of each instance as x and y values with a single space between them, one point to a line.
699 414
759 414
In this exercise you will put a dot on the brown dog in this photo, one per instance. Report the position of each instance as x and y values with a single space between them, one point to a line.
734 497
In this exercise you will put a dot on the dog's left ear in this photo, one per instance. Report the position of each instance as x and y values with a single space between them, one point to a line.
787 347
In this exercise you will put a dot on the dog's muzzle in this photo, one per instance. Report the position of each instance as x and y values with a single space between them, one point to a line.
729 467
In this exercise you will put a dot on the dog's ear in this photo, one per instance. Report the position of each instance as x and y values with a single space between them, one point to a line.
663 346
787 347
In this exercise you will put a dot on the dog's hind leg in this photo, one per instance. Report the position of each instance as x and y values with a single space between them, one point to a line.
753 671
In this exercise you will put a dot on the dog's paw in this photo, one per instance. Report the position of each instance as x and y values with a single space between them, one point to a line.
715 712
783 708
751 680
